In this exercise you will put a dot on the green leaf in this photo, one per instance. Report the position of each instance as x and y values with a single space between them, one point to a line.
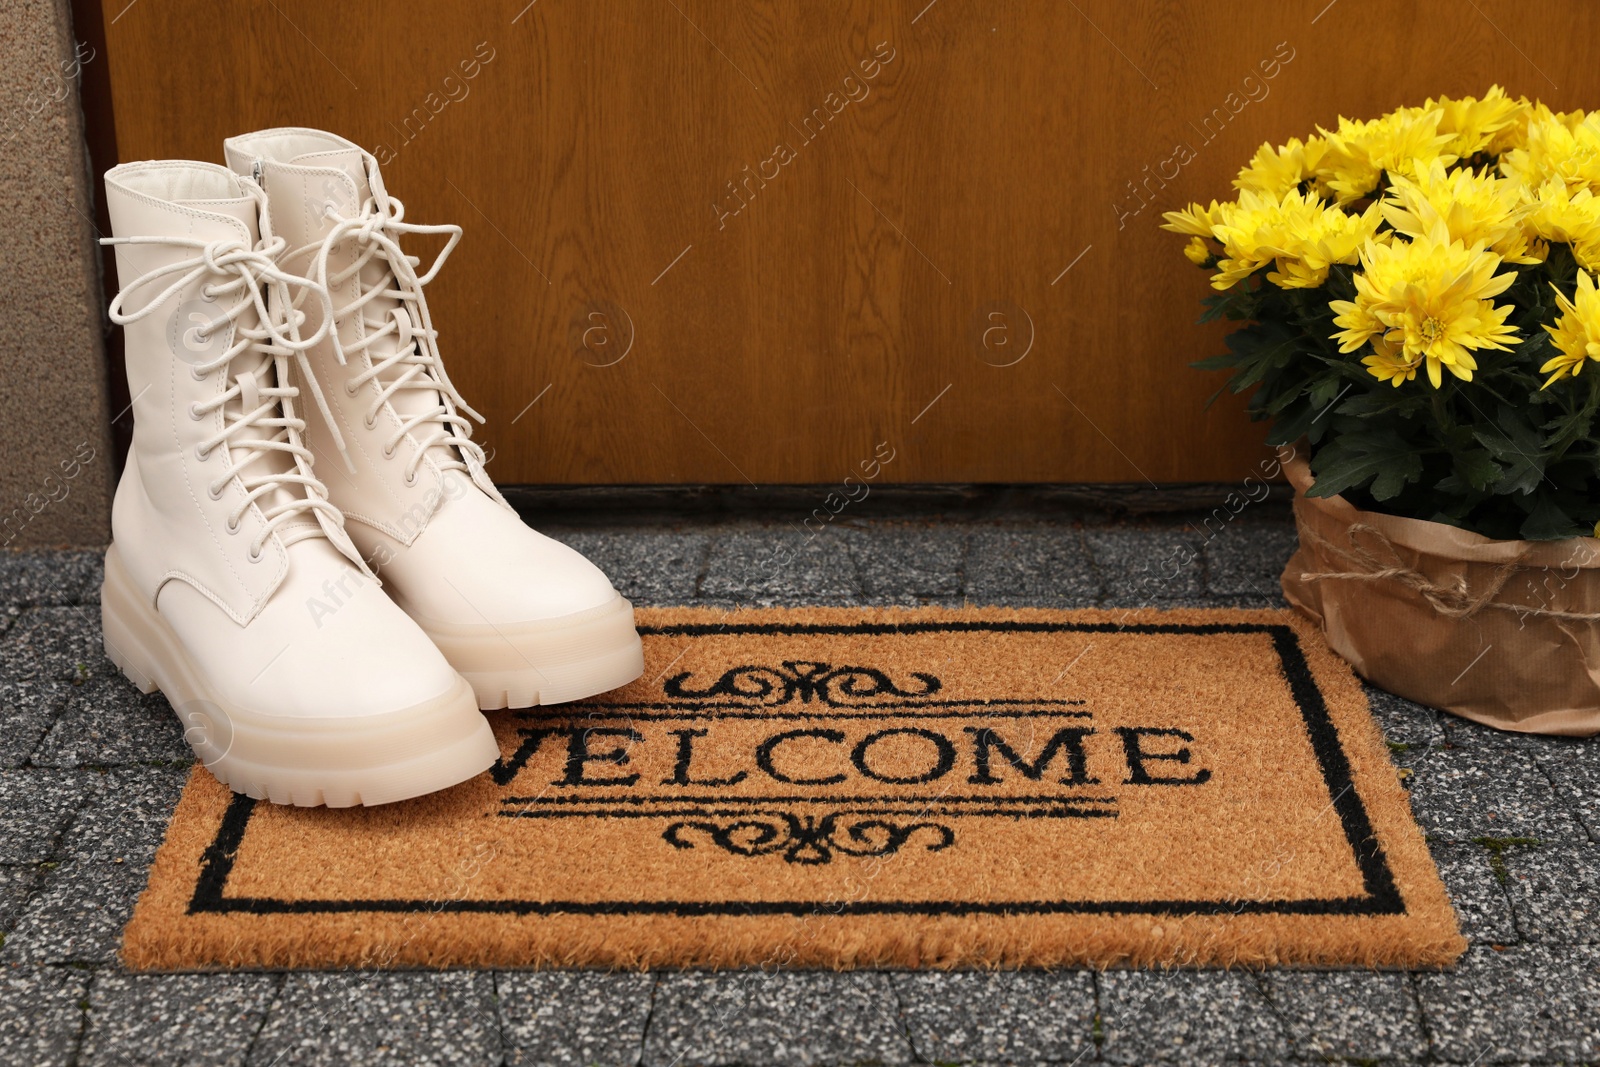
1448 519
1537 347
1519 447
1237 303
1548 522
1290 428
1261 347
1327 391
1385 401
1380 457
1477 468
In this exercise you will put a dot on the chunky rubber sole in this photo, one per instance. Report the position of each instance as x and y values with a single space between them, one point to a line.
549 662
337 762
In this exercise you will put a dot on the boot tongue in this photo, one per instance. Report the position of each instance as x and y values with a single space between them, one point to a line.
332 192
380 312
252 372
243 208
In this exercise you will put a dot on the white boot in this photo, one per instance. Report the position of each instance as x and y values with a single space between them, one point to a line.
524 618
230 583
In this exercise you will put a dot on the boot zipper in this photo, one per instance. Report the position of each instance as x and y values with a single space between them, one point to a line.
255 171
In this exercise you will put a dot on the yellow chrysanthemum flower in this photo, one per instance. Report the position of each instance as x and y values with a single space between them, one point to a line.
1475 209
1555 214
1570 119
1255 230
1515 135
1390 364
1197 251
1429 300
1556 147
1275 171
1402 143
1298 232
1326 237
1576 333
1477 123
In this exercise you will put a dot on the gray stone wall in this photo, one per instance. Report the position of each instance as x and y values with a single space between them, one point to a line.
55 447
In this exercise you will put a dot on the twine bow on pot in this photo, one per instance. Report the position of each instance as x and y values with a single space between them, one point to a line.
1452 598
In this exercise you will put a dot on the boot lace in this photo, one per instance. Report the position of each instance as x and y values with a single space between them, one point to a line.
415 364
263 424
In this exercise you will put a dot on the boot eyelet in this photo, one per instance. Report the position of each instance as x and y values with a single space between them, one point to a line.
194 412
233 525
197 374
255 554
388 451
201 454
411 478
349 388
370 421
214 492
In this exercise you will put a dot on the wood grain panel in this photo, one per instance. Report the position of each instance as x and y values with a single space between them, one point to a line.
613 162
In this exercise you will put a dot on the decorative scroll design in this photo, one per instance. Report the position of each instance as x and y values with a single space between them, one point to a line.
802 680
809 839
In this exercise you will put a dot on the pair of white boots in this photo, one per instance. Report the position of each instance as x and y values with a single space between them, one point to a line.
296 437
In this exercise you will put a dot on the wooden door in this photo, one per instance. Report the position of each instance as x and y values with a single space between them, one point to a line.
761 241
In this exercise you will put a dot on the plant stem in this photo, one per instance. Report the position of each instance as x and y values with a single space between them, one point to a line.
1441 414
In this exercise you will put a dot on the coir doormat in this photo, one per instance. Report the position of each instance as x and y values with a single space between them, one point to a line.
846 787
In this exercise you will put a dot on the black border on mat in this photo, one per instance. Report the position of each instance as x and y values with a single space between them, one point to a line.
1381 897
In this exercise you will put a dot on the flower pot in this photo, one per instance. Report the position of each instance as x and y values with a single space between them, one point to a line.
1505 633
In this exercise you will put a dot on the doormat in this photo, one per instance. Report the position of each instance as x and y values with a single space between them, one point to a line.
859 787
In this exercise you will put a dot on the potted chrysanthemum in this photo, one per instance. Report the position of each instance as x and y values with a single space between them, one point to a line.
1420 310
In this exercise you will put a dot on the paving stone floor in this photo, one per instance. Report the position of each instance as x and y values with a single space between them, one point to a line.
89 772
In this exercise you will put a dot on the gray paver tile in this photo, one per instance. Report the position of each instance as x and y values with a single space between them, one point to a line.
574 1018
108 721
41 1014
1480 900
147 1020
1555 891
1246 558
76 915
1467 792
1406 726
53 644
48 578
379 1018
1350 1015
1526 1002
1026 1016
35 805
762 1017
26 711
1030 564
80 907
904 563
128 816
1576 774
749 567
16 883
1191 1017
1142 566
